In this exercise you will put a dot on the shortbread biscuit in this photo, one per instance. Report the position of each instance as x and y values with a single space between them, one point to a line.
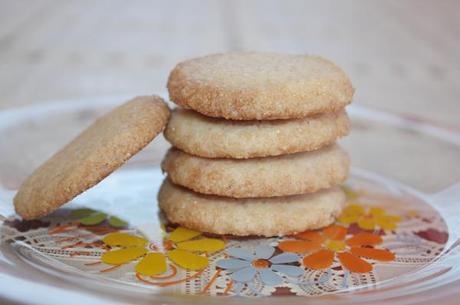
260 86
93 155
299 173
217 138
259 216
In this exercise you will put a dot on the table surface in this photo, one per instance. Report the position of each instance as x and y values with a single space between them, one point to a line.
402 56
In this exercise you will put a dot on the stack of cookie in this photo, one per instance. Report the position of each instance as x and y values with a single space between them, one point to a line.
254 144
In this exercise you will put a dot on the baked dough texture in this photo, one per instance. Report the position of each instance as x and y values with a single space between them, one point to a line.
243 217
208 137
300 173
94 154
260 86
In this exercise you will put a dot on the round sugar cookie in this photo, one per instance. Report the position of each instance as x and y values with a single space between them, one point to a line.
259 86
259 216
209 137
299 173
90 157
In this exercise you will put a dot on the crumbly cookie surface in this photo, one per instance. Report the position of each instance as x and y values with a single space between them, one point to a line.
260 216
208 137
260 86
299 173
94 154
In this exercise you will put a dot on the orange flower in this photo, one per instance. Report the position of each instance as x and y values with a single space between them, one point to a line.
327 244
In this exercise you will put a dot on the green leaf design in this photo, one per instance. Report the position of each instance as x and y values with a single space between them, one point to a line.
93 219
81 213
90 217
117 222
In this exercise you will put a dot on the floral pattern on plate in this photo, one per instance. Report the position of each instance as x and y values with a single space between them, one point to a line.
377 238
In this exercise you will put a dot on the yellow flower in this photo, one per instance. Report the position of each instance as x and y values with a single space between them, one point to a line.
368 218
350 193
183 247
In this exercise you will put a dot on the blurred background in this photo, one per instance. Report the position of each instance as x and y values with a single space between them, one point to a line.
402 56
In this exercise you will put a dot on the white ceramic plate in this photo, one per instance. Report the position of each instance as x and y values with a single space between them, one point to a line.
399 187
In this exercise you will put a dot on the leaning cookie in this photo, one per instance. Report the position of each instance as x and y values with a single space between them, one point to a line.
260 86
259 216
93 155
217 138
285 175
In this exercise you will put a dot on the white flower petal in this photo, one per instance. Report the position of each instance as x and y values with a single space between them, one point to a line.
232 264
240 253
244 275
237 288
284 258
289 270
264 252
269 277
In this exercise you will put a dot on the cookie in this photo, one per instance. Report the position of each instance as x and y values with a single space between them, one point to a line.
94 154
217 138
259 216
299 173
259 86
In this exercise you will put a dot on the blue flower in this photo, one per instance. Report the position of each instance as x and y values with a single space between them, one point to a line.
245 265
